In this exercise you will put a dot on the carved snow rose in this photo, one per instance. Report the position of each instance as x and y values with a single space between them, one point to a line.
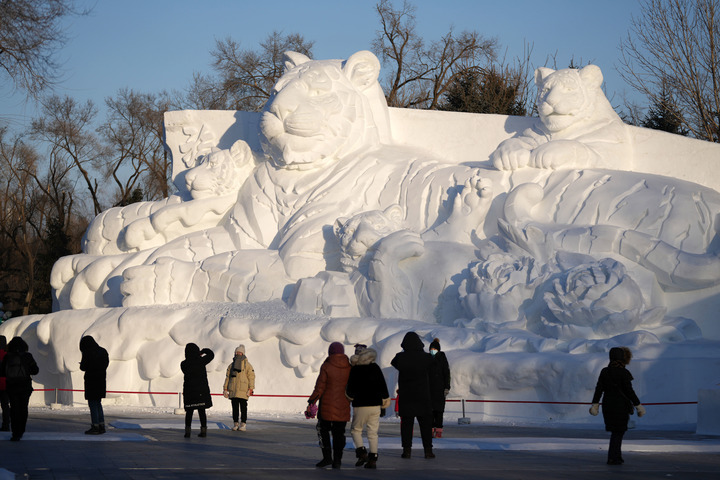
598 300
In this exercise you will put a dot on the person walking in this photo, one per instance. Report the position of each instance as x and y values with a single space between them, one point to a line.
196 391
614 385
413 366
4 402
367 390
439 386
239 386
94 363
17 367
334 410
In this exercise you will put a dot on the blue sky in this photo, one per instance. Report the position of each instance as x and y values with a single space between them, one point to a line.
152 45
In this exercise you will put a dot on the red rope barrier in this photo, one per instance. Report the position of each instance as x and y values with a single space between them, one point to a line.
451 400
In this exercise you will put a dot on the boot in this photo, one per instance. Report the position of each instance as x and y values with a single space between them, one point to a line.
203 432
362 456
372 460
102 428
438 433
187 432
326 460
406 452
429 453
242 427
337 458
94 430
236 427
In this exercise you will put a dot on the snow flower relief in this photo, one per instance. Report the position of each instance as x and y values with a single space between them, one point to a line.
596 300
497 286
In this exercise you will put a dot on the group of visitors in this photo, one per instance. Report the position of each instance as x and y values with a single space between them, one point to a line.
238 386
423 384
342 383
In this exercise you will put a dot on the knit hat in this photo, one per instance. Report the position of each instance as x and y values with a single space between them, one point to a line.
435 344
240 348
336 347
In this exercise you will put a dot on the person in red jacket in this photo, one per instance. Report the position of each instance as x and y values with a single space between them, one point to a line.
334 411
4 402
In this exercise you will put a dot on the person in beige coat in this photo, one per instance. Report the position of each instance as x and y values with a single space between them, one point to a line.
238 387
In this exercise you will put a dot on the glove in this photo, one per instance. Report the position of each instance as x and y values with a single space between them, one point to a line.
226 394
447 390
311 411
250 392
640 410
595 409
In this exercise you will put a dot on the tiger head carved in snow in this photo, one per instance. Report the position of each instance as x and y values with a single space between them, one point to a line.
322 110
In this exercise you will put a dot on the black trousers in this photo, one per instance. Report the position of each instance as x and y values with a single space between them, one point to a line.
201 414
18 412
614 451
406 430
437 418
5 405
337 429
239 409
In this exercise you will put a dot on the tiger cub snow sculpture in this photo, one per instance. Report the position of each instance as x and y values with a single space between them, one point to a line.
577 127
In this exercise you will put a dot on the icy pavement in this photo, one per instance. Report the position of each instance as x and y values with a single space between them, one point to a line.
149 444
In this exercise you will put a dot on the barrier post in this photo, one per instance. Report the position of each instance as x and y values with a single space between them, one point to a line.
463 420
56 405
179 410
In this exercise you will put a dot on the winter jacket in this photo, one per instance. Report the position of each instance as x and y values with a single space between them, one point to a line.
413 366
366 384
94 363
196 391
439 381
614 385
18 349
238 383
330 389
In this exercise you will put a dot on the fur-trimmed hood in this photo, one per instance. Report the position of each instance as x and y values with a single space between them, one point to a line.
366 357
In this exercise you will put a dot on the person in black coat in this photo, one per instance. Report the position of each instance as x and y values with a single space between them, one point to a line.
439 386
196 390
17 367
94 363
413 366
4 402
614 385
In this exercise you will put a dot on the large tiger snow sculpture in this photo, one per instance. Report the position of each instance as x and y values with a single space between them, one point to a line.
326 138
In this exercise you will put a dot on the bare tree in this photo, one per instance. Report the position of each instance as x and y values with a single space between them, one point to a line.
134 132
673 47
66 126
245 77
30 35
420 74
22 219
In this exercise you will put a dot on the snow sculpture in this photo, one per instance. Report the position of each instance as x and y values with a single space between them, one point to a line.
577 126
330 217
399 273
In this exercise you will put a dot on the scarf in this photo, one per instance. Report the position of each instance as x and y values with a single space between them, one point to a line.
237 362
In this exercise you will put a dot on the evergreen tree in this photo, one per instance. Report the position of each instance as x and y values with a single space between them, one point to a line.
485 92
663 115
55 245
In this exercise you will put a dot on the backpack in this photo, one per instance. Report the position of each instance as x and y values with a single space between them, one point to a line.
15 367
